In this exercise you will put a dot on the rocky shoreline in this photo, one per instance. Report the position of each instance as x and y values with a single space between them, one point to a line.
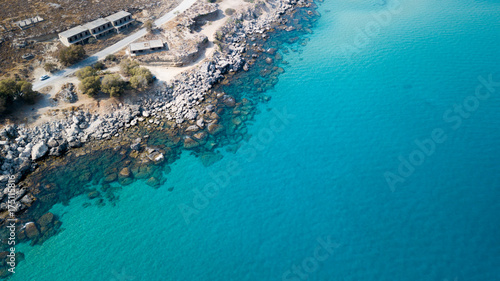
137 139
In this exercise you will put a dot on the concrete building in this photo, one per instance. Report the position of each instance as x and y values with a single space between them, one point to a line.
142 48
97 29
120 20
75 35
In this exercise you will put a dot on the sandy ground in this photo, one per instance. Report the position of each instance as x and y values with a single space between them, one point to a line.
46 109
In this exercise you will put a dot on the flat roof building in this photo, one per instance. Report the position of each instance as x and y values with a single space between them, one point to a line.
74 35
145 47
97 28
120 20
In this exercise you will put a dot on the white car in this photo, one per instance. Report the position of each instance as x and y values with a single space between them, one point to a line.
44 77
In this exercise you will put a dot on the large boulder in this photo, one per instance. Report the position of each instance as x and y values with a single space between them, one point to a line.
190 143
136 145
214 128
200 135
39 150
153 182
31 230
125 172
46 220
52 142
228 101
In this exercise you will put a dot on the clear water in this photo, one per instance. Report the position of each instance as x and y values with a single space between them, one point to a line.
320 176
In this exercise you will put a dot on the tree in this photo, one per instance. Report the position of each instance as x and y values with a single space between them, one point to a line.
91 85
141 78
49 67
85 72
26 92
230 11
8 90
111 57
142 71
138 82
127 65
113 85
149 25
98 65
70 55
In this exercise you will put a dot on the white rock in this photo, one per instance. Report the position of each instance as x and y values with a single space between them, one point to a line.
39 150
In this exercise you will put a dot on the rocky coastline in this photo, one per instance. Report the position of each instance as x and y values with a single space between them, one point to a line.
136 139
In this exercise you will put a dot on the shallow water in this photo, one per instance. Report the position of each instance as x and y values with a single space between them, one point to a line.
316 172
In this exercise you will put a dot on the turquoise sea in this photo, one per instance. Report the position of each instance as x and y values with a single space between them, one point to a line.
383 89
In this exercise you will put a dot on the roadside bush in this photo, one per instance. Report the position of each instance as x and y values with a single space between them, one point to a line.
85 72
111 57
113 85
70 55
149 25
230 11
49 67
91 85
98 65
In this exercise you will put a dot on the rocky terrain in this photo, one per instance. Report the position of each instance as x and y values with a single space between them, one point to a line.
184 44
187 110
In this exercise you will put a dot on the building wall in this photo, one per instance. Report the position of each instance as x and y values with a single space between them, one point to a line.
64 40
105 29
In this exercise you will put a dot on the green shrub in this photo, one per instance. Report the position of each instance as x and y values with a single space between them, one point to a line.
10 91
127 65
141 78
26 92
230 11
113 85
72 54
91 85
149 25
111 57
98 65
85 72
49 67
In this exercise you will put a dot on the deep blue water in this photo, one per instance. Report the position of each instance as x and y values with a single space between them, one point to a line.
356 105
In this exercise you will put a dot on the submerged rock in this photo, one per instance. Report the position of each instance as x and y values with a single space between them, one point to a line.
46 220
214 128
153 182
209 158
31 230
125 173
190 143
